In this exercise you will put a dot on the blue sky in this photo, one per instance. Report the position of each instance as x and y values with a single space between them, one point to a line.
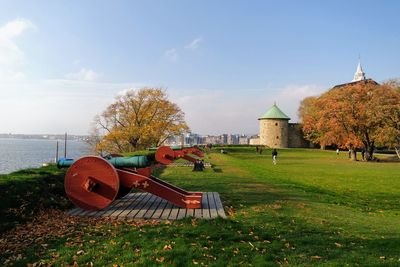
223 62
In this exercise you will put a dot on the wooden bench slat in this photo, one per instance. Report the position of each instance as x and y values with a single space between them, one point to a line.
205 207
160 209
219 206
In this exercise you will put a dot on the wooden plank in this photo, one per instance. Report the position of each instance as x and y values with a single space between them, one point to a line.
92 213
73 212
125 204
101 212
190 213
198 213
80 211
174 213
166 211
152 208
111 209
146 207
135 202
116 203
141 203
205 207
134 207
85 213
211 204
160 209
219 206
181 214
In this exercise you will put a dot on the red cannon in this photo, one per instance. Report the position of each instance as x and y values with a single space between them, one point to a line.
166 155
92 182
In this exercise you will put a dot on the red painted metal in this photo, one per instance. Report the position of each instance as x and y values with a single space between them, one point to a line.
92 183
155 186
165 155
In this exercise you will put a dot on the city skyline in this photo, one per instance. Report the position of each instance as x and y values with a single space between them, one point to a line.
223 63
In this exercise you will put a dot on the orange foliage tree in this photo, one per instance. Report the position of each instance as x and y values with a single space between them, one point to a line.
358 115
138 119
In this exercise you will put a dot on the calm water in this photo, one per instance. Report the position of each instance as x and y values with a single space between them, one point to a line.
18 154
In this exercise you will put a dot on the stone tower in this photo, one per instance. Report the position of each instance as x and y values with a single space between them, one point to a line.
274 128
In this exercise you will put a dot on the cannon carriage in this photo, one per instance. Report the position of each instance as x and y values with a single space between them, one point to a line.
93 183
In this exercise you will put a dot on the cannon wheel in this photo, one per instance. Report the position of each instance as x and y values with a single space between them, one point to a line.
91 183
165 155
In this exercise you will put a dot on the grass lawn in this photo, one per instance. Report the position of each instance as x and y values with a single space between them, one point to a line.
312 208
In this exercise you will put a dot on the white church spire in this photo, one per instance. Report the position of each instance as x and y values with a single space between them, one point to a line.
359 75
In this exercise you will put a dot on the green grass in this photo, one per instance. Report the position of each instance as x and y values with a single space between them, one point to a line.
26 191
312 208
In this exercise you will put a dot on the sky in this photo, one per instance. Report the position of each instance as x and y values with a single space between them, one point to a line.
224 63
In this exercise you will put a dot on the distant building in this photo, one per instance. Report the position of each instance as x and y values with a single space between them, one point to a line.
243 140
359 77
233 139
277 132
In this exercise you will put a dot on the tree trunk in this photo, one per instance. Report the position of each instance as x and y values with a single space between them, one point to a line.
397 151
353 155
370 152
322 147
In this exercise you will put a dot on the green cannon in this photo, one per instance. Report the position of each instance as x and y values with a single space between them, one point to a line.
118 162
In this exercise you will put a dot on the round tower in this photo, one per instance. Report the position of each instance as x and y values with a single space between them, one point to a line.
274 128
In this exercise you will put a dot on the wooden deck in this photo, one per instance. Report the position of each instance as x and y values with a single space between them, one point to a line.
147 206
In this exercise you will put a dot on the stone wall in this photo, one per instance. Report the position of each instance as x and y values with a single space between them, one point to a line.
296 138
274 133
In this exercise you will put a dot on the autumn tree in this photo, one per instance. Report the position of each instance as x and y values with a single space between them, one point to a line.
359 115
388 132
139 119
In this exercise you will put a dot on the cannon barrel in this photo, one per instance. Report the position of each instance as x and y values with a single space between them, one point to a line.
172 147
118 162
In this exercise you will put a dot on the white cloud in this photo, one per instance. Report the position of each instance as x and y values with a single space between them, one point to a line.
171 55
193 45
83 75
12 58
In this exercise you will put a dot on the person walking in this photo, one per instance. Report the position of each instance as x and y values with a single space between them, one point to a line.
274 156
337 152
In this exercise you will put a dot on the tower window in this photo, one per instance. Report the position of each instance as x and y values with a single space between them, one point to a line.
277 137
276 124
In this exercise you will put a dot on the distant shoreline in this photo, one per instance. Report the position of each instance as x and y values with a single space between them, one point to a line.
44 137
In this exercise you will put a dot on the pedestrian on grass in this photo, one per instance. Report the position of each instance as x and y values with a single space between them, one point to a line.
274 156
337 151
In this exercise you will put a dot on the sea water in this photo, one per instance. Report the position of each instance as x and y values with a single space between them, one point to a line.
18 154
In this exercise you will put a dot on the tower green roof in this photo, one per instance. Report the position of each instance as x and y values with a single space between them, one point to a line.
274 113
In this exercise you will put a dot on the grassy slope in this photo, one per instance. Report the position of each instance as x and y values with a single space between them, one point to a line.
311 208
24 192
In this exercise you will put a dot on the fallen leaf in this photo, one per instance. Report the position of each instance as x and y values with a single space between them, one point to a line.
167 247
161 259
